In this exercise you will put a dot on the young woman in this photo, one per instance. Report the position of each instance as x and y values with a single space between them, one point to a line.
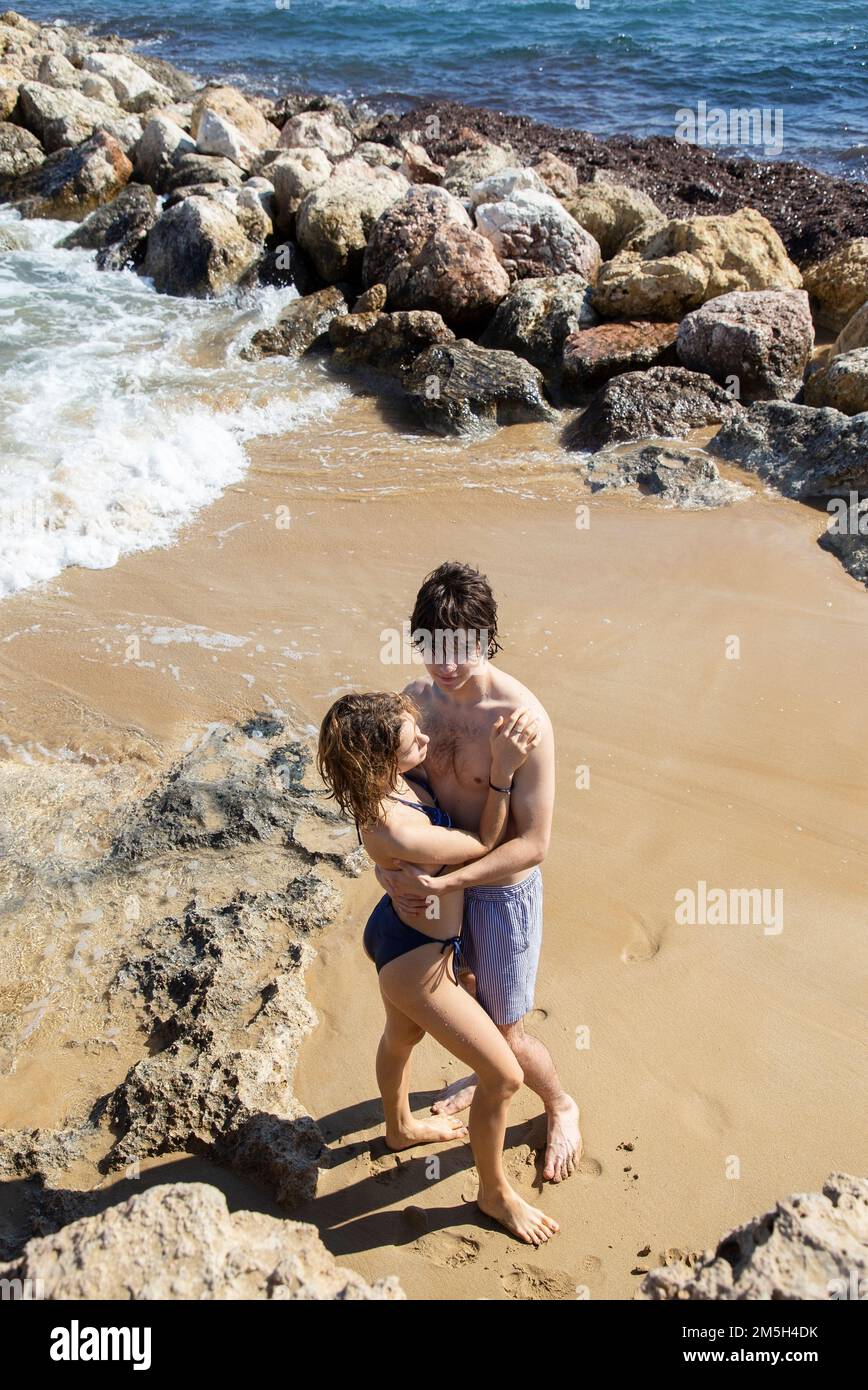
370 754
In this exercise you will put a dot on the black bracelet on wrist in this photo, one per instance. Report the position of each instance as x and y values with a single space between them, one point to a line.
507 790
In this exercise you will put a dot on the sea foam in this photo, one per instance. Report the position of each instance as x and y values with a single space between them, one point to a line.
123 412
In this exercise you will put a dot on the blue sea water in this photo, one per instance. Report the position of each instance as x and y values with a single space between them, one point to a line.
605 66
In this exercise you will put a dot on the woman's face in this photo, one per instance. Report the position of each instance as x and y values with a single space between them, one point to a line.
412 745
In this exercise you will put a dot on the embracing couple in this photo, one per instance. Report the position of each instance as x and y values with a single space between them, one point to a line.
451 786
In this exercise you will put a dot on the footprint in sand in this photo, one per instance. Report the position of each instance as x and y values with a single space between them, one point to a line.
386 1168
533 1282
643 942
588 1167
538 1016
448 1248
520 1164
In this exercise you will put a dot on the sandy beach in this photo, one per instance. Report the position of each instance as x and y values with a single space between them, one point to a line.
689 1048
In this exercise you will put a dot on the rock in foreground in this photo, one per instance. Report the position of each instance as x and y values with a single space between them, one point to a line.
685 478
810 1246
464 389
760 338
801 451
849 541
667 402
181 1241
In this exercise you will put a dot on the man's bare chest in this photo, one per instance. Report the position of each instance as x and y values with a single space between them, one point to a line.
460 750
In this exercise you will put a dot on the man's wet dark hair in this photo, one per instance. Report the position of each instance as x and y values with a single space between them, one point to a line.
456 597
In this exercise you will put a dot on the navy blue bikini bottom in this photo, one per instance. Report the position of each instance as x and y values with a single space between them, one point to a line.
387 937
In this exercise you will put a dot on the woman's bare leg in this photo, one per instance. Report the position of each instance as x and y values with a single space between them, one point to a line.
421 986
403 1130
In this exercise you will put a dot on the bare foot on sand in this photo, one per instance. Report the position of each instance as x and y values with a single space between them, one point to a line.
456 1096
522 1220
564 1142
425 1132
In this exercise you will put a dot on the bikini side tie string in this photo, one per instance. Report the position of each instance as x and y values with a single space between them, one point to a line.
457 953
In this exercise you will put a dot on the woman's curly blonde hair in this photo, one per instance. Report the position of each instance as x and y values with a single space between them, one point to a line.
357 755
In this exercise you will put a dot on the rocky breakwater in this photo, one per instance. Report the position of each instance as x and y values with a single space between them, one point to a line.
194 895
481 270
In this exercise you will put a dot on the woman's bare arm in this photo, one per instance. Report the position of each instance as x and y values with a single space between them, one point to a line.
417 841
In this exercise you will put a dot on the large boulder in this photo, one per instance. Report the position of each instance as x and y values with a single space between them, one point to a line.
455 273
217 135
533 235
63 117
464 170
675 268
157 153
319 130
593 355
71 183
303 324
335 219
133 86
239 111
181 1241
402 230
387 343
198 248
761 338
841 384
193 168
812 1246
497 188
461 389
741 251
663 402
838 286
118 231
801 451
854 334
55 70
630 287
373 153
537 317
847 539
20 154
611 212
417 165
295 174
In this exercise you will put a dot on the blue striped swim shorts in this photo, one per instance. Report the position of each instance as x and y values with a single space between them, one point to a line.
501 937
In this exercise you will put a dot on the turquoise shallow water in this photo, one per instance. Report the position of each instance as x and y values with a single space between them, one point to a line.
613 66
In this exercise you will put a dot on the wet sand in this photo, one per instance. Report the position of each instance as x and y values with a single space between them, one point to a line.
694 1051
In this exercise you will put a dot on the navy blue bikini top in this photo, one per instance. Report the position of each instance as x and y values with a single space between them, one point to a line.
435 813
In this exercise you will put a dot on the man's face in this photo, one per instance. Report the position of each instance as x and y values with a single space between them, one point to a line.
457 657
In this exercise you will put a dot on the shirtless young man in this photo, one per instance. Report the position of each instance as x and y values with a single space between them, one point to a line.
455 624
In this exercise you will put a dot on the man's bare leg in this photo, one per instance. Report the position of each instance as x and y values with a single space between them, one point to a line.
458 1095
564 1139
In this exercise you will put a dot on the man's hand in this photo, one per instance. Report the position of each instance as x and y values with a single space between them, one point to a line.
408 887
